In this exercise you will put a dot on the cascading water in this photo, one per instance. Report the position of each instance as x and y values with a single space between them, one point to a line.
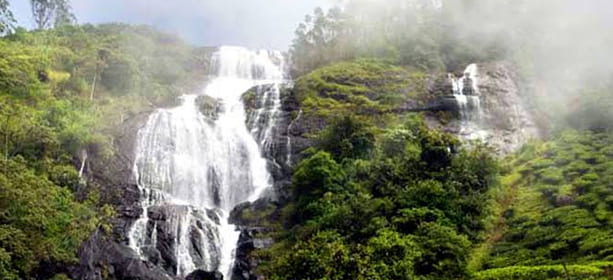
192 170
466 94
262 119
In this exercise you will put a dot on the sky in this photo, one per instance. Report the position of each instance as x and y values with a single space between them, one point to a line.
268 24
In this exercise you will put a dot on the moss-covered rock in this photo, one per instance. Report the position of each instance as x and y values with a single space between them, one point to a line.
363 86
210 107
374 90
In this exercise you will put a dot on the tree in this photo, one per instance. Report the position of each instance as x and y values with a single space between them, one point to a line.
317 175
348 137
63 14
444 252
39 221
6 18
391 256
48 12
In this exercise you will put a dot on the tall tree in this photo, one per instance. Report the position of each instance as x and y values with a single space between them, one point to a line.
7 20
51 12
42 11
63 13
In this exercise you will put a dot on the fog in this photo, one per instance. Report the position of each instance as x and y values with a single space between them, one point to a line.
565 44
563 48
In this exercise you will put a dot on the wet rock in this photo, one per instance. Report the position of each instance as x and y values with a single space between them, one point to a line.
263 243
254 220
163 224
209 107
244 264
506 119
114 175
282 143
204 275
107 255
102 258
508 115
255 214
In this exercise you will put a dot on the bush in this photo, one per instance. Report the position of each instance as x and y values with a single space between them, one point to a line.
541 273
40 221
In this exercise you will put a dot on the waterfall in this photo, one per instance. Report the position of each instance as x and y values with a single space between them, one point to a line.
263 119
192 170
83 161
467 96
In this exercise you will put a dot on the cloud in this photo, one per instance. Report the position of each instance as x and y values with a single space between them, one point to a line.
252 23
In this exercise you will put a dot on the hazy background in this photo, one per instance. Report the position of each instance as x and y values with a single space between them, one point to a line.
251 23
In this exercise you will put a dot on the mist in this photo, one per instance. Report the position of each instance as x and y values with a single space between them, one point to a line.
560 48
564 45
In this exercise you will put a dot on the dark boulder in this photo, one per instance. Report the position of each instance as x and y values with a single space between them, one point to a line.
204 275
103 258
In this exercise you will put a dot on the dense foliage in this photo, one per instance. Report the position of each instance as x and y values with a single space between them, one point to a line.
379 196
364 87
409 204
564 209
40 219
415 33
62 92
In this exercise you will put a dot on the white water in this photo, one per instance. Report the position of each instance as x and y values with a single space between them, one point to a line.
263 119
469 102
195 171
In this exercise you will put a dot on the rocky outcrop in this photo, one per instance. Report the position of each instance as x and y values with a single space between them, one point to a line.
102 257
254 221
505 119
508 114
209 107
107 255
114 178
286 139
204 275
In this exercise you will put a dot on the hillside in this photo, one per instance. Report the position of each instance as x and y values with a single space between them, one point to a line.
62 94
396 141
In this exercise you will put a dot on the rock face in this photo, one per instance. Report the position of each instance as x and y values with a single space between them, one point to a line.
507 112
101 257
505 119
107 255
283 143
209 107
162 220
254 219
204 275
281 146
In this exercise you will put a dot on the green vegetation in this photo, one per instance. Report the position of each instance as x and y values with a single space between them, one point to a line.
553 209
368 88
407 205
379 195
64 91
601 270
563 213
415 35
40 219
